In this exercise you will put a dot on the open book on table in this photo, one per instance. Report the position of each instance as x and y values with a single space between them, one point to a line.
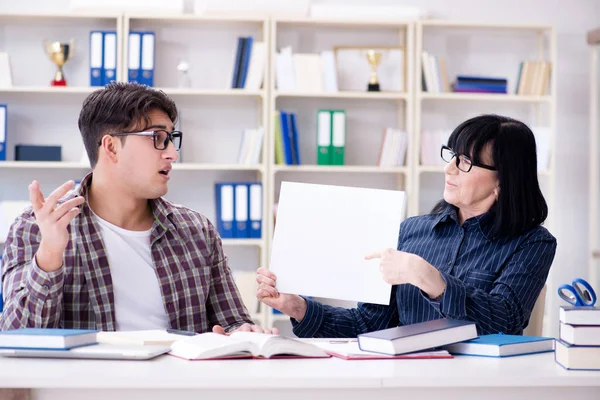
243 345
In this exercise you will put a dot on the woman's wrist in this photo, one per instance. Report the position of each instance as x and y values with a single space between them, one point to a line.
429 280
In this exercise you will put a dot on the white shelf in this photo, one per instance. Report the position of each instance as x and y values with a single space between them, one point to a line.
198 18
243 242
56 17
346 95
483 25
484 97
212 92
49 89
333 22
43 165
367 169
216 167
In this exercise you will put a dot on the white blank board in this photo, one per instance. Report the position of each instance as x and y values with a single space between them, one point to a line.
322 235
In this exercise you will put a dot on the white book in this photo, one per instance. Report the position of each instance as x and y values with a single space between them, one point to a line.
308 73
242 345
5 71
244 147
257 145
285 79
329 69
580 335
256 68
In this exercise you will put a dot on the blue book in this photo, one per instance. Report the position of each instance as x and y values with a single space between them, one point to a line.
46 338
417 337
286 137
500 345
245 62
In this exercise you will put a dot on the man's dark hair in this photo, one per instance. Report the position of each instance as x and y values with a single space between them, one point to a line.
120 107
521 205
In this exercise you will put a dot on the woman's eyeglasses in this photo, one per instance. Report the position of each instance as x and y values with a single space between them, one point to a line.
463 162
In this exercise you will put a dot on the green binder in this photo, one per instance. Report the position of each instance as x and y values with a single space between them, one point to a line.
338 136
324 137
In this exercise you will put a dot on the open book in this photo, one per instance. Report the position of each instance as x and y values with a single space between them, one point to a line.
243 345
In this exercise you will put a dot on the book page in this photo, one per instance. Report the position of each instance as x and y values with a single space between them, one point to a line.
209 345
323 234
267 345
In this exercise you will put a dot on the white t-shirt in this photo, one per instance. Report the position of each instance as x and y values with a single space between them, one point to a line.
138 299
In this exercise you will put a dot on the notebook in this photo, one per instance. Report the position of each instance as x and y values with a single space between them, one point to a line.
95 351
207 346
417 337
46 338
500 345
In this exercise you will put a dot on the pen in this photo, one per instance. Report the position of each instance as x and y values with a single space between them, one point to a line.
179 332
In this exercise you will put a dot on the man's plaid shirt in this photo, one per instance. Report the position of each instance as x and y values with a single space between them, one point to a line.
197 287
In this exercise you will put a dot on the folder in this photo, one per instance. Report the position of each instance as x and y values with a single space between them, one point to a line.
294 132
147 77
338 137
110 57
255 207
237 66
240 230
3 131
245 62
134 56
323 137
96 58
286 137
224 209
279 158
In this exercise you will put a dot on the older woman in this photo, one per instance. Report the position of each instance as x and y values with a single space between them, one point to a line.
481 255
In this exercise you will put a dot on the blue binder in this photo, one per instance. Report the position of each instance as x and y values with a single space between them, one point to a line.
3 131
96 58
285 135
255 205
147 64
240 229
225 209
134 58
238 66
245 62
294 134
109 58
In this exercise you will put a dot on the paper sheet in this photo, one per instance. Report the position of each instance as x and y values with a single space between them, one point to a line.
322 235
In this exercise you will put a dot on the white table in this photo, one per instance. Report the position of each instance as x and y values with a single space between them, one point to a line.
531 377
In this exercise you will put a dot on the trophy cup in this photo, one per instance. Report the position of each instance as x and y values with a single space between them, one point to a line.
59 53
374 59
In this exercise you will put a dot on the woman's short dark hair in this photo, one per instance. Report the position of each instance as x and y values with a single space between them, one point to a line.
521 205
119 107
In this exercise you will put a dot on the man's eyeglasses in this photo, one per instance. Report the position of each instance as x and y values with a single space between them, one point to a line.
463 162
161 138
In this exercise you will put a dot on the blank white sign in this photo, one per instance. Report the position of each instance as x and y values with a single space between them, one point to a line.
322 235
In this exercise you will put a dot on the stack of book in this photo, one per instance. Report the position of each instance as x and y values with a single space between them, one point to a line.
480 84
249 64
533 78
578 346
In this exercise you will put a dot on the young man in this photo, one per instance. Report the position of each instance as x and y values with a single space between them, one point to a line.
116 255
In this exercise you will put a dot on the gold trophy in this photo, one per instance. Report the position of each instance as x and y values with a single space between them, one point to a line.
374 58
59 53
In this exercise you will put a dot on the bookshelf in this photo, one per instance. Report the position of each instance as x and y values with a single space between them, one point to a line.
594 213
213 115
367 113
486 49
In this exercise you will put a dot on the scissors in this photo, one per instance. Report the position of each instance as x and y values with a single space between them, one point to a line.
579 293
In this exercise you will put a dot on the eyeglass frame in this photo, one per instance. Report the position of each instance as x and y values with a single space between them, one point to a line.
457 157
170 136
